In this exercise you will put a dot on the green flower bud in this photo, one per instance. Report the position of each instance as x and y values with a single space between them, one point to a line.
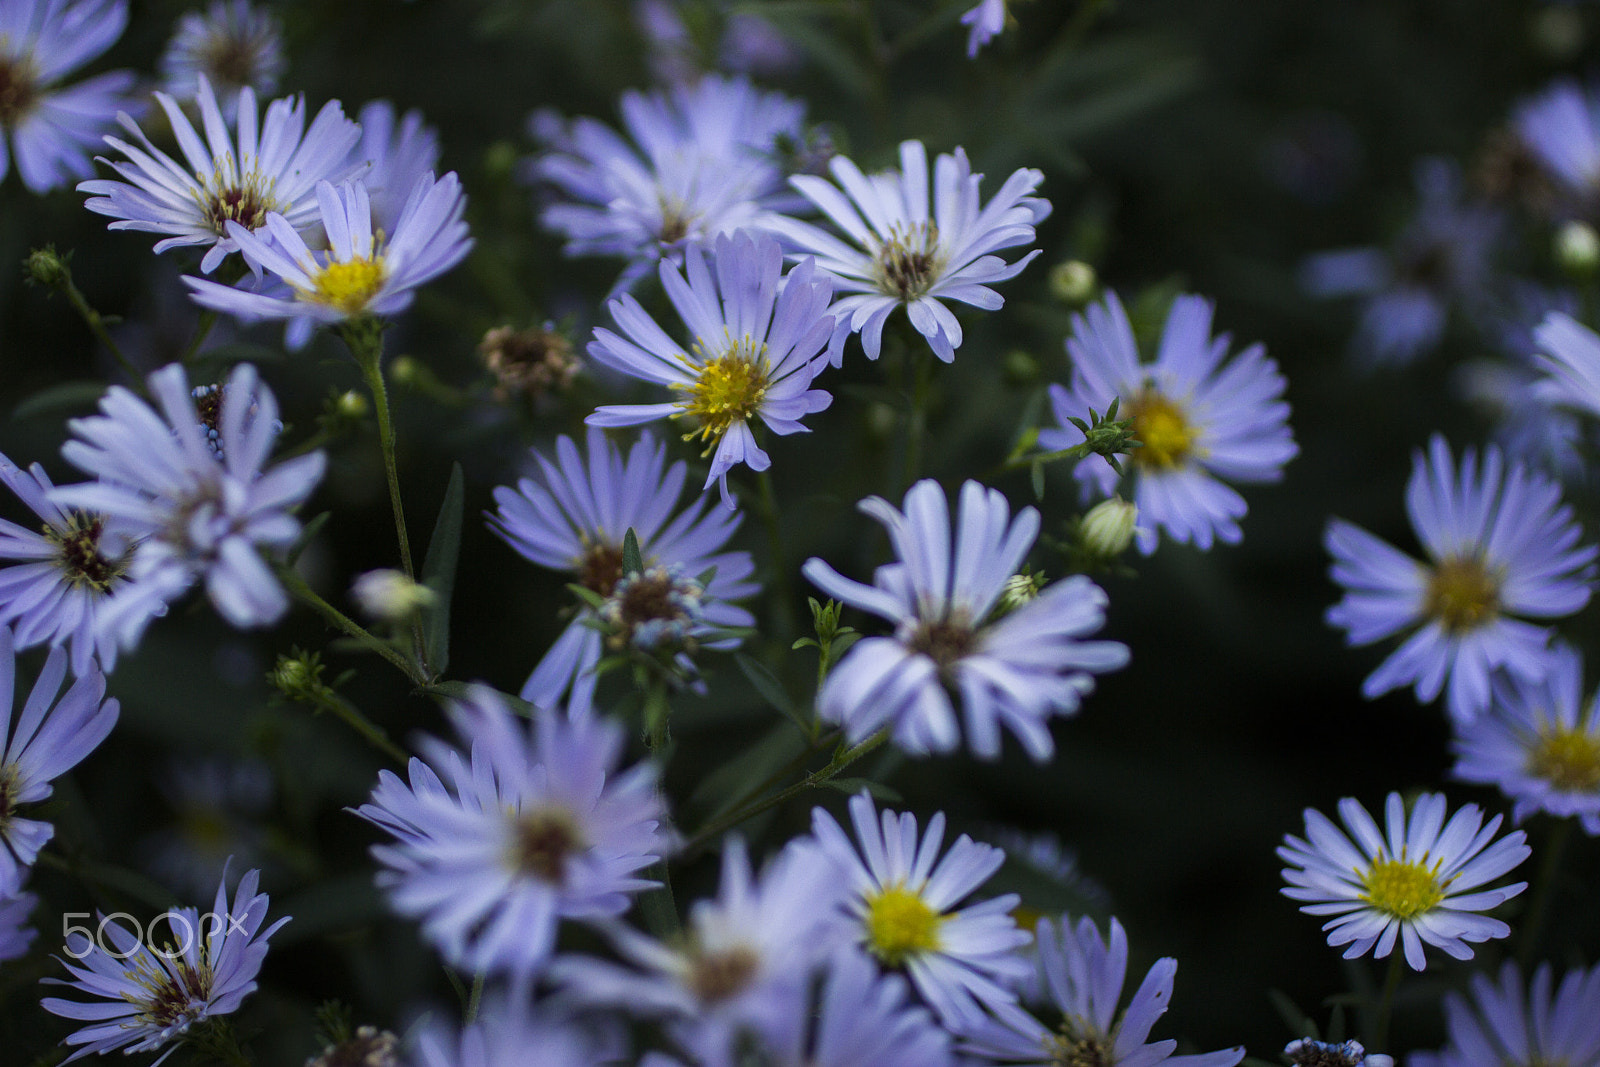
1577 249
391 596
1073 282
1108 528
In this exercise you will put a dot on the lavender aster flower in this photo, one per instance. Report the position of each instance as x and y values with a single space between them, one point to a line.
902 898
1505 1026
987 19
16 936
1201 416
242 177
1538 743
703 166
745 961
1410 884
1015 672
862 1019
531 826
906 256
67 573
1560 128
51 128
508 1033
234 44
401 149
45 741
362 274
574 517
202 512
153 996
1309 1052
1500 543
1438 261
1569 352
756 338
1083 976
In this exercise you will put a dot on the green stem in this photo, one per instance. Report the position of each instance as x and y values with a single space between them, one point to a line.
1544 887
917 418
840 761
374 734
302 592
1380 1030
476 998
97 326
364 338
202 330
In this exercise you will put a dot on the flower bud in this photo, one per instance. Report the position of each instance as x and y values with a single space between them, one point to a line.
351 404
391 596
1073 282
46 266
1108 528
1577 249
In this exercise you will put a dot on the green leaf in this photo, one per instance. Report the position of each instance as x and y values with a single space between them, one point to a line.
735 781
852 786
769 687
632 558
439 573
463 691
59 399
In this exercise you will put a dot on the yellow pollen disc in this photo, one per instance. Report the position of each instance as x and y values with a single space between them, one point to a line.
1160 424
728 389
1462 594
910 261
900 925
1402 888
1567 759
348 286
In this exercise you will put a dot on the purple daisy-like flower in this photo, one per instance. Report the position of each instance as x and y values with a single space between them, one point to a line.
745 960
192 484
1204 419
66 575
986 19
906 255
149 996
233 44
496 845
51 128
240 176
1560 128
1569 354
1439 261
508 1032
1083 976
1539 743
757 338
861 1019
45 740
1412 884
1505 1025
1500 544
364 272
903 900
1016 671
700 161
400 149
574 517
16 936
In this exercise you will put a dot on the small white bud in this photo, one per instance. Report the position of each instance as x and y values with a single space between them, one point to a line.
391 596
1073 282
1577 248
1108 528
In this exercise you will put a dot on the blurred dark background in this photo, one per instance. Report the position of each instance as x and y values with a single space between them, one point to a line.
1201 145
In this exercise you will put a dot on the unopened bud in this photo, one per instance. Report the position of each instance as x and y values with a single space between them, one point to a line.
1577 249
530 362
351 404
367 1047
1073 282
1019 589
391 596
1020 367
1108 528
46 266
405 370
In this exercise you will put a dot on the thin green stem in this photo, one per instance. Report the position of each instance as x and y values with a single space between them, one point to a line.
97 326
202 330
374 734
1380 1030
302 592
917 418
840 761
476 998
365 340
1544 888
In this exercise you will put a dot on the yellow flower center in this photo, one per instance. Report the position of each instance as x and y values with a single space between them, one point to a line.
1167 435
78 554
246 200
348 286
900 924
726 390
1567 759
910 261
1462 594
1402 888
1076 1043
18 89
